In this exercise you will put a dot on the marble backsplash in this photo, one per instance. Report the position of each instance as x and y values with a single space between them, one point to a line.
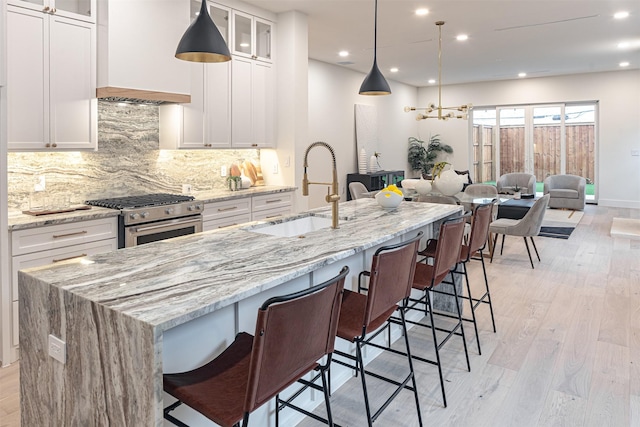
128 162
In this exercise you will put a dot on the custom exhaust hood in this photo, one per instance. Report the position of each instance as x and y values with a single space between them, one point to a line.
136 51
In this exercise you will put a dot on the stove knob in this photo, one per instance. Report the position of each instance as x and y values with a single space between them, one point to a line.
134 216
190 208
169 211
198 207
144 214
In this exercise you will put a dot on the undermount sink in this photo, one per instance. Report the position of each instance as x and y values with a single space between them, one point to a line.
294 227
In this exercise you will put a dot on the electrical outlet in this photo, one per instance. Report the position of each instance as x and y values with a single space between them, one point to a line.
275 168
635 152
40 184
186 188
287 162
58 349
223 170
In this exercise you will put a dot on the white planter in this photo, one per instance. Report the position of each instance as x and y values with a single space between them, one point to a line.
423 186
449 183
373 164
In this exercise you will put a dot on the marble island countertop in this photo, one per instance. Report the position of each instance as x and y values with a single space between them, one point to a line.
167 283
19 221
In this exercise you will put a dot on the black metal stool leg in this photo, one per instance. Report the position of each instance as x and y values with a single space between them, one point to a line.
486 285
360 364
473 310
460 322
435 345
413 375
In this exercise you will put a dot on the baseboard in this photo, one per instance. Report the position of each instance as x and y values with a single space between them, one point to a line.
612 203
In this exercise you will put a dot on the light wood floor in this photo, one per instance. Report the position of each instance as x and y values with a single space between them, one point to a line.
567 350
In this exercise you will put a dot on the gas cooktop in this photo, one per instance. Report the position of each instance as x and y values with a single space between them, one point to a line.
145 200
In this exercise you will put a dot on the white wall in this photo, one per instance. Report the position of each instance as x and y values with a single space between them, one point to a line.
333 92
618 94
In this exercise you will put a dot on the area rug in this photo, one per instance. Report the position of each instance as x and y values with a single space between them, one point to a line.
559 224
626 227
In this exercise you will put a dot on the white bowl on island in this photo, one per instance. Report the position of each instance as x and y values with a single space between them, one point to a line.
388 199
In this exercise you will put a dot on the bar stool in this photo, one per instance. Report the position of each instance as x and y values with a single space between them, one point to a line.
254 369
478 238
363 315
428 277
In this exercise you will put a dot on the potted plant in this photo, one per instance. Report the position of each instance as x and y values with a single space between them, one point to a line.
423 158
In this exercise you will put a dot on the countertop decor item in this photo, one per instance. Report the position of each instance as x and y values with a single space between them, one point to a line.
423 187
462 109
447 182
389 197
202 42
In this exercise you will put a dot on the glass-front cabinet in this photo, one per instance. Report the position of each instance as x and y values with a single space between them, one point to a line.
251 37
84 10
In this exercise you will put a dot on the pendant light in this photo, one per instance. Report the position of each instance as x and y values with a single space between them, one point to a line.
375 83
202 42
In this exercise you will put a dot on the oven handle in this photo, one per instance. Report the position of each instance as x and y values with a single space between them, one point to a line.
176 222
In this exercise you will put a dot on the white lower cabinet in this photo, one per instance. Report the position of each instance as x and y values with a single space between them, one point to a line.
227 213
271 206
39 246
245 209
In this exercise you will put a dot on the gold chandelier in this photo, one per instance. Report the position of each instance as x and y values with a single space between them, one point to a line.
461 112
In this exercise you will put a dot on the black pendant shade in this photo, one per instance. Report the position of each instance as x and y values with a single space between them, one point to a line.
375 83
202 42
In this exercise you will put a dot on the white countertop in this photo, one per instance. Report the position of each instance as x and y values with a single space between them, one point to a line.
167 283
18 220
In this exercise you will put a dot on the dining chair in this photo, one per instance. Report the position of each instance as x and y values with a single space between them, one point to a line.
358 190
528 226
255 369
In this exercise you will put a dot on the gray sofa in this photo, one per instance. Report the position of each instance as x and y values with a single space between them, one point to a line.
565 191
507 183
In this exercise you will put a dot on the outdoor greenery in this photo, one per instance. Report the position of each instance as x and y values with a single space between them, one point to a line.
423 158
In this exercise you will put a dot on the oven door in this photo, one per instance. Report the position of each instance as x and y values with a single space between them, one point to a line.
140 234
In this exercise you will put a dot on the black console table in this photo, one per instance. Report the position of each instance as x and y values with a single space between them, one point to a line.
375 180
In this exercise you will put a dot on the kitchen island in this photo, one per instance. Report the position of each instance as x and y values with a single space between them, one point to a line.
130 315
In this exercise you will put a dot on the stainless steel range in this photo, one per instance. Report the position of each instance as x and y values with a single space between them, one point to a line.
152 217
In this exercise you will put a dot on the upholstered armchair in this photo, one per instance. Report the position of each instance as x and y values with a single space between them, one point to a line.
565 191
509 181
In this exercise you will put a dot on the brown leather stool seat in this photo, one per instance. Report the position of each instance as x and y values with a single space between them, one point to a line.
293 333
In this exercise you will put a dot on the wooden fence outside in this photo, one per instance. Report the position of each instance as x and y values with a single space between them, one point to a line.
580 151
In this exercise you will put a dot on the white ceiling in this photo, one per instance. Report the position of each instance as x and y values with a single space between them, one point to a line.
539 37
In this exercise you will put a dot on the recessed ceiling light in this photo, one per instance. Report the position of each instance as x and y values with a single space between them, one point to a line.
624 64
432 81
394 70
462 37
522 74
422 12
621 15
623 45
343 53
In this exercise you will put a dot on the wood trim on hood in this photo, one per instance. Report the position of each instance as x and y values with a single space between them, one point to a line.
118 93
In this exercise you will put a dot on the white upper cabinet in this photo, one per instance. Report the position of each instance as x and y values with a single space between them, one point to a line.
137 42
205 122
251 37
51 83
84 10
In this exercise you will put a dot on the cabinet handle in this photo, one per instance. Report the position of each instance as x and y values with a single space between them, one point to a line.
57 236
228 225
227 209
47 145
254 145
273 201
46 9
272 216
54 145
68 258
54 10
